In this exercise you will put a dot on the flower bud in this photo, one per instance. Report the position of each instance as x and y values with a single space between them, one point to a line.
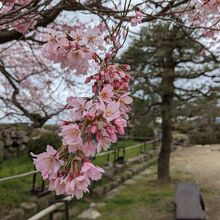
93 129
90 116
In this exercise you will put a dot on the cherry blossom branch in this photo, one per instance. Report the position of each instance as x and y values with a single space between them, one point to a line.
95 121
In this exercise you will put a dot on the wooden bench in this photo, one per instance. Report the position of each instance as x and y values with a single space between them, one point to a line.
189 202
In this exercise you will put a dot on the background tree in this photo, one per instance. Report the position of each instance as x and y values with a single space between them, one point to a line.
31 88
199 118
169 62
142 121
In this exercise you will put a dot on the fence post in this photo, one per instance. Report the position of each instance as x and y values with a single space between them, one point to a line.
141 151
42 185
145 147
115 156
124 152
65 209
33 182
108 157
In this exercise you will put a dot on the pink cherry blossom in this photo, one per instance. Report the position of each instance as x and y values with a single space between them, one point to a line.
103 144
23 26
22 2
120 124
50 48
74 146
12 2
26 22
89 149
92 38
137 19
48 163
77 186
80 107
93 129
90 116
6 8
71 134
58 185
111 111
69 185
91 171
125 100
78 35
102 27
111 133
8 2
106 93
80 61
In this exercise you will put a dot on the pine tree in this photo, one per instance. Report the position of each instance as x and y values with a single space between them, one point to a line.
169 64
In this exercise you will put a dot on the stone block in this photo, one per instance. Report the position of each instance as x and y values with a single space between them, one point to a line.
107 187
43 202
129 174
98 191
114 184
109 173
58 216
89 214
30 208
16 214
117 179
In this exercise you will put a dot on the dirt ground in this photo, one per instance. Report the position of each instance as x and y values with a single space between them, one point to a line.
203 164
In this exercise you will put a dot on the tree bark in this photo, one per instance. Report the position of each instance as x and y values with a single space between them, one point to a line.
167 94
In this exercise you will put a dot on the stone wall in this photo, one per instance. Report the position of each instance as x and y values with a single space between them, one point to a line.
12 141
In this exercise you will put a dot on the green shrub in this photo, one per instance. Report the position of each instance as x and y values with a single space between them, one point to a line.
53 128
38 144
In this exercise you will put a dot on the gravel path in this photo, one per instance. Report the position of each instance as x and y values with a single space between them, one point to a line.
203 163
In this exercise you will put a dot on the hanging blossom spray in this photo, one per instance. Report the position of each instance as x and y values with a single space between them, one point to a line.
95 122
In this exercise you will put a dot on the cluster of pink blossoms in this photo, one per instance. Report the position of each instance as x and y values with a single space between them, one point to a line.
204 8
208 6
94 125
11 3
75 49
206 13
73 183
24 23
95 122
102 118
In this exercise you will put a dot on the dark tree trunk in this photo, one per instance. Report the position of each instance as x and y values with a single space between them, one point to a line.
167 93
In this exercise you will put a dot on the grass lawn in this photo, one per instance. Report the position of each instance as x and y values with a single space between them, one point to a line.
13 192
146 199
15 166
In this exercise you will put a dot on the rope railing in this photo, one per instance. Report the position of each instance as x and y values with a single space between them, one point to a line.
64 202
101 154
18 176
54 207
128 148
50 209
